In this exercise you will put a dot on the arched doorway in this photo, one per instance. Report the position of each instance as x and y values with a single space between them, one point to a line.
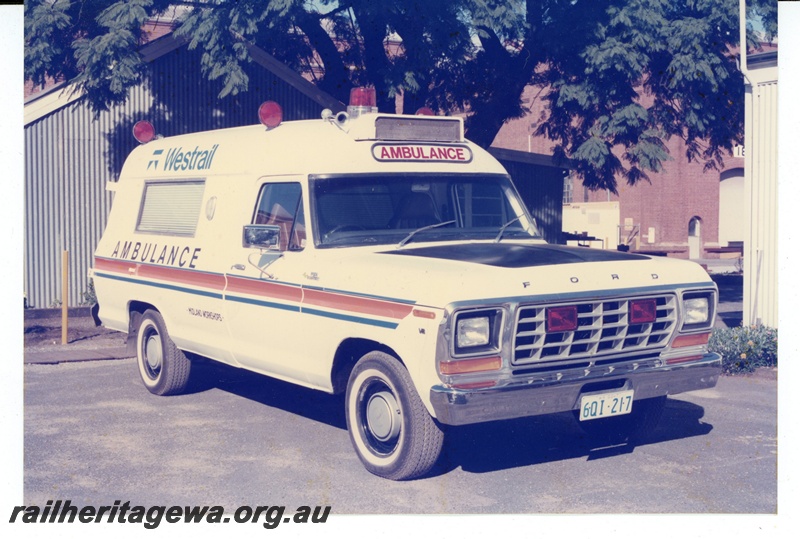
694 237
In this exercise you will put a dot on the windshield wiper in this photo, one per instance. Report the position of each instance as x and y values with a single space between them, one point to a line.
504 227
424 228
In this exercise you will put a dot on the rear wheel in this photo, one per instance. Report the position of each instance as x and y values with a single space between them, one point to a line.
163 367
391 430
631 427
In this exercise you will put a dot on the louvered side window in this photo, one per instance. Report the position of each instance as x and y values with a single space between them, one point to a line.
171 208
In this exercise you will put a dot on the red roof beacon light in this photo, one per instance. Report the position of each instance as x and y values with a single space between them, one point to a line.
362 101
270 114
425 111
143 131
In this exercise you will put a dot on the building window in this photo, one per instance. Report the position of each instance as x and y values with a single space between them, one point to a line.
568 188
694 227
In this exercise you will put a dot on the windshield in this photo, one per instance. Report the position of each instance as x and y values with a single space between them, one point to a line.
411 208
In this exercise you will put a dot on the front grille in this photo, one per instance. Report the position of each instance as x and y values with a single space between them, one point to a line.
603 329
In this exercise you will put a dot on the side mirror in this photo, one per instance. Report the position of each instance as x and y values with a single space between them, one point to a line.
263 236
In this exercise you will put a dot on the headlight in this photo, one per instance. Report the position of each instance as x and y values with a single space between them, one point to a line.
695 310
472 332
477 332
698 310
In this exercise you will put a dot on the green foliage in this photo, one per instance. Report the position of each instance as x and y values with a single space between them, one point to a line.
745 348
44 52
617 78
89 296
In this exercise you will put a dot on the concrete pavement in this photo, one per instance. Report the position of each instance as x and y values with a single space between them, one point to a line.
63 353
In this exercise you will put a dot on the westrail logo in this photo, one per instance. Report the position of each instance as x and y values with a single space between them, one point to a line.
177 159
154 162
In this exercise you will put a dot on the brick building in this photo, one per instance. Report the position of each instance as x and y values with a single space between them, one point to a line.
683 212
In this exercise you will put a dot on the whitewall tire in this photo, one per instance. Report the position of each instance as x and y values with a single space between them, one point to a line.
163 367
391 430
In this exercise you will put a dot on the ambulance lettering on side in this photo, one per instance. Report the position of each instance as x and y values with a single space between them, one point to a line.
394 263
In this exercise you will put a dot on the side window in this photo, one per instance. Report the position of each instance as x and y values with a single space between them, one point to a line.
281 204
171 207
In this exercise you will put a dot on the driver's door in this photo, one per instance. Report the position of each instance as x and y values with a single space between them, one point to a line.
263 295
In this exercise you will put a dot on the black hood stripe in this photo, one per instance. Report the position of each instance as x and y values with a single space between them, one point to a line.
508 255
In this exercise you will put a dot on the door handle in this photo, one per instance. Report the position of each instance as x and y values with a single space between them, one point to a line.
239 267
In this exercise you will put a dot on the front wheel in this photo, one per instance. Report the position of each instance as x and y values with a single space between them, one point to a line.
164 368
391 430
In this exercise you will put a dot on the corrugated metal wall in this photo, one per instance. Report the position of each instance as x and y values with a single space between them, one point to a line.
541 187
70 154
760 304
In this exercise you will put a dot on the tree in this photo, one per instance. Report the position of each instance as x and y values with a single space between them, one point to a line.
618 77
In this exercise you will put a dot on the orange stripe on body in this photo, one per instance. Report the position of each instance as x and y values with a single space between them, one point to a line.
264 288
343 302
177 275
121 266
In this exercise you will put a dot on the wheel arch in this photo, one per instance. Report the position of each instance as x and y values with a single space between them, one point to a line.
348 353
135 311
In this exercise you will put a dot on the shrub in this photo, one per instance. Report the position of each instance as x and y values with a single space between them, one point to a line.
89 297
745 348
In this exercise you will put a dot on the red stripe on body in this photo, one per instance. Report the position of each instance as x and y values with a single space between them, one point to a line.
120 266
176 275
164 273
357 304
265 288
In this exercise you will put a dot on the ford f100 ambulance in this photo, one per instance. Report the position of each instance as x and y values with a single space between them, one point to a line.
386 257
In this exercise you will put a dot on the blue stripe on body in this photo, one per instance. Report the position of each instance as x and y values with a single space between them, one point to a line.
351 318
215 295
262 303
251 301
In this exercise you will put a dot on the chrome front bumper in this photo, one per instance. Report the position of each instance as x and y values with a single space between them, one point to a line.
529 398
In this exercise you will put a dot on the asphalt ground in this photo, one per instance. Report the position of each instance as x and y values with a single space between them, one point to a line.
93 433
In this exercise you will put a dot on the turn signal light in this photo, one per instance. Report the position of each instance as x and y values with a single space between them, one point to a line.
697 339
675 360
465 366
475 385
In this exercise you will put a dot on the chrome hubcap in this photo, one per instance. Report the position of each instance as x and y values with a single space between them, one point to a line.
383 416
152 352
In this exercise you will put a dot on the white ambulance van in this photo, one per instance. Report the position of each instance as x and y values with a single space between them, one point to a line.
388 258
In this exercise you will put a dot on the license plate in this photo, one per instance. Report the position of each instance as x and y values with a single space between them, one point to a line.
597 405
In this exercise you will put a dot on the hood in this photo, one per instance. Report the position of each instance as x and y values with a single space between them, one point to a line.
508 255
438 275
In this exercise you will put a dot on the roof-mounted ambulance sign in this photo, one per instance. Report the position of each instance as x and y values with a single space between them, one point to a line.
441 153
